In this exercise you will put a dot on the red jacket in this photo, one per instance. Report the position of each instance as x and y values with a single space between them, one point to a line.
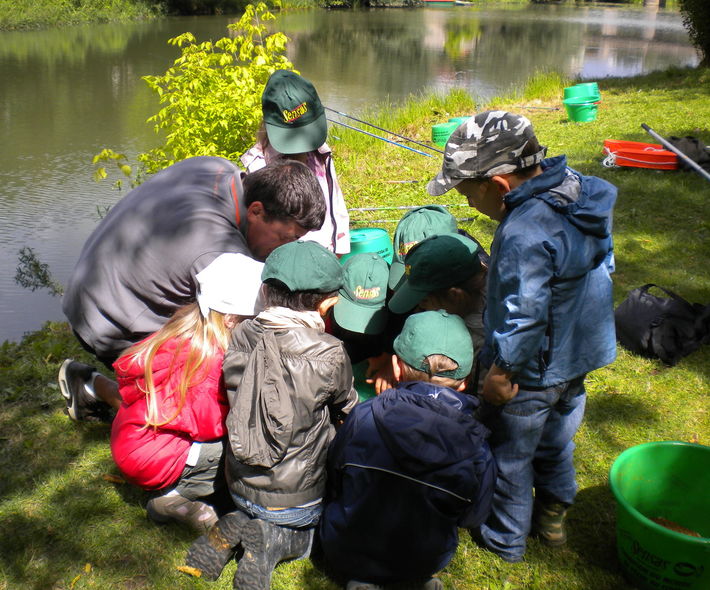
154 458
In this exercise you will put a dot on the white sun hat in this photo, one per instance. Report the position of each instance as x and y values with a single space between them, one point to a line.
231 283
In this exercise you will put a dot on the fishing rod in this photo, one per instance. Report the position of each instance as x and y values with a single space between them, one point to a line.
669 146
384 130
406 147
400 207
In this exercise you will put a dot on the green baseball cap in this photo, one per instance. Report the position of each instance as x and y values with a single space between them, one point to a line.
304 266
361 306
437 262
415 225
435 332
293 114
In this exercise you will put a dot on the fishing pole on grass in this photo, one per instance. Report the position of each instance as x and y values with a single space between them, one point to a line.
438 151
399 207
406 147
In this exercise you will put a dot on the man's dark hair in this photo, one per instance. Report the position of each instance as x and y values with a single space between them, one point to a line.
288 190
278 295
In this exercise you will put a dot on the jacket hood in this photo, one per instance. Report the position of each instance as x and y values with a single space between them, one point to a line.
586 201
427 427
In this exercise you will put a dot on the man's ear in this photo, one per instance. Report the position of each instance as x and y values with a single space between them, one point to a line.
325 305
255 209
396 368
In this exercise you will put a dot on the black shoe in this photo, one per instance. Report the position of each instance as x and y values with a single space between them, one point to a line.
81 406
265 546
213 550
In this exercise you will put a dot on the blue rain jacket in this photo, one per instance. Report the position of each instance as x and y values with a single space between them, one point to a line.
550 314
406 469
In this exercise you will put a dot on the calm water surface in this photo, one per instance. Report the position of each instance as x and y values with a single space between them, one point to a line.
66 94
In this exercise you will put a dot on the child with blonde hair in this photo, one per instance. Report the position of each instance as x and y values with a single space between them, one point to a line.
168 434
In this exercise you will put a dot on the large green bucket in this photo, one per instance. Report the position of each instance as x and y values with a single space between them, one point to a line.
669 481
370 239
440 133
581 109
583 89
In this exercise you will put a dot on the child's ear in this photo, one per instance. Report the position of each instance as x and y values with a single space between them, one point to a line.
325 305
230 320
462 385
396 368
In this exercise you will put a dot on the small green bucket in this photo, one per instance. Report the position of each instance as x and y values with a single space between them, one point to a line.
458 120
370 239
581 109
364 390
440 133
671 481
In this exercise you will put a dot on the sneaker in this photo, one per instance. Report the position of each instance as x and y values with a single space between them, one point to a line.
176 508
265 546
548 523
81 406
211 552
430 584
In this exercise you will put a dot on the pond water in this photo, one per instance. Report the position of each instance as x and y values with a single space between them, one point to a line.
66 94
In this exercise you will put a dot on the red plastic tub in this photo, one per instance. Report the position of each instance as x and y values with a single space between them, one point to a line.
640 155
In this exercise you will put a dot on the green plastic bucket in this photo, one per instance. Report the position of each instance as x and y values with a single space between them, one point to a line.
370 239
668 480
581 109
583 89
440 133
364 390
458 120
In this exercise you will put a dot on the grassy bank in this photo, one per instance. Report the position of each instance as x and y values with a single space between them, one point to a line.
30 14
68 527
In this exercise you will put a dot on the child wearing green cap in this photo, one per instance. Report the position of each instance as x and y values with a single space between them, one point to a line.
410 466
288 384
295 127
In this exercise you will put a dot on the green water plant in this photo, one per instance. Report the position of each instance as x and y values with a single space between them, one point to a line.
211 96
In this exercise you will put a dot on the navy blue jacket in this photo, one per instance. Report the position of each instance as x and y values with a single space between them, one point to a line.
405 470
550 315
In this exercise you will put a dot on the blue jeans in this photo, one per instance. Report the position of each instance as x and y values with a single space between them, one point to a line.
531 439
300 517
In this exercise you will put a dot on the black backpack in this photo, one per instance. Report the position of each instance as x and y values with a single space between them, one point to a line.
667 328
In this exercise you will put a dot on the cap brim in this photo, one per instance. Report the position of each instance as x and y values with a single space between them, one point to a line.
298 140
396 275
359 318
405 298
441 184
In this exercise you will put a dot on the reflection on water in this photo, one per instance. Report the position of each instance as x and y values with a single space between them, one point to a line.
66 94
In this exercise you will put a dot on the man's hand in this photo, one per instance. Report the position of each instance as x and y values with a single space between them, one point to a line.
497 387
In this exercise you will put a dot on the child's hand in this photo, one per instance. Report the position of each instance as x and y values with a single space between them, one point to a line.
497 387
380 373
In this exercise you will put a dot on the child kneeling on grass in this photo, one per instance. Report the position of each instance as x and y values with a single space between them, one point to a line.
409 467
289 383
168 433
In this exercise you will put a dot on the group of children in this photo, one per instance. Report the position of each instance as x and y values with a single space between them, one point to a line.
241 414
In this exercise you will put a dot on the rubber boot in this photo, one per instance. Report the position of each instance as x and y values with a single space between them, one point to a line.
265 546
211 552
548 522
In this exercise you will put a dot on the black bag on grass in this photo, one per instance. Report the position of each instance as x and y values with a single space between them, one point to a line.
667 328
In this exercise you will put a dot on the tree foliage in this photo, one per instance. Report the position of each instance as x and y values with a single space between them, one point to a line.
212 93
696 18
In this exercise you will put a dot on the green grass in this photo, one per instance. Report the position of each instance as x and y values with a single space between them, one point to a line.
66 527
26 14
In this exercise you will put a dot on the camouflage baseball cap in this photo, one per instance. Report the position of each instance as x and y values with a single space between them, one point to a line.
490 143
